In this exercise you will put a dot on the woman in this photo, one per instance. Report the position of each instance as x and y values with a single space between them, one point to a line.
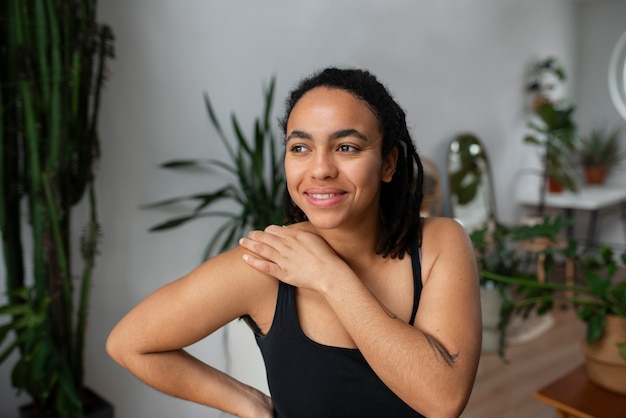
331 297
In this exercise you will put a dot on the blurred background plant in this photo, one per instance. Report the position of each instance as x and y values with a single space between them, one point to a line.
601 151
503 250
54 57
259 183
554 131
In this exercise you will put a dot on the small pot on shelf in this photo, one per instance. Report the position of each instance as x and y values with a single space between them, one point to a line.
554 186
595 174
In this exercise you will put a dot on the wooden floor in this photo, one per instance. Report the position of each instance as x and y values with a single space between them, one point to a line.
506 390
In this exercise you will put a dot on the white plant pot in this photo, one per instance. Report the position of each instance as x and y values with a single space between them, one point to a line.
490 303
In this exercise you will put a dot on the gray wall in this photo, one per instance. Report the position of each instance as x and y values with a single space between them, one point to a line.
600 25
455 66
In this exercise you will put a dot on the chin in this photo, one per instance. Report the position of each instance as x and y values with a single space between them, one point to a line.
325 221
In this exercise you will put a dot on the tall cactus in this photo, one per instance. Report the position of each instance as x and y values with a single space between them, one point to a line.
54 54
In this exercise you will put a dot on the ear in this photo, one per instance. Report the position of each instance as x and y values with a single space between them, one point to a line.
389 165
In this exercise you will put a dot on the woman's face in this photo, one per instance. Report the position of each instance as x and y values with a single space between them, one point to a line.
333 161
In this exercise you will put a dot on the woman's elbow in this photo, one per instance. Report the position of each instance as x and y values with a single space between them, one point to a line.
444 408
446 402
116 347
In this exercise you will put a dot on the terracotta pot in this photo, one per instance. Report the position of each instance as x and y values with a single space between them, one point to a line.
554 186
605 366
595 175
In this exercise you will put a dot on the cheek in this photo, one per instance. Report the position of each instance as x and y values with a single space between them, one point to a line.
293 174
366 177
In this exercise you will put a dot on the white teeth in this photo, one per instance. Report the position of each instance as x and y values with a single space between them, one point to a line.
322 196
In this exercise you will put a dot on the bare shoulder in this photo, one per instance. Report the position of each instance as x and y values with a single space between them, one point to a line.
229 281
434 226
439 232
444 240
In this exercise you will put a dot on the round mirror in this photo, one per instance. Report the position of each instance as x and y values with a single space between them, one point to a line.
617 76
471 193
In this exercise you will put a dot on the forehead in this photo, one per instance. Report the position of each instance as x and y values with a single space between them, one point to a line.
332 104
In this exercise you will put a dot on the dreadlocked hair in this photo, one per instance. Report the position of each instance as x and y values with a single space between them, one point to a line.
401 198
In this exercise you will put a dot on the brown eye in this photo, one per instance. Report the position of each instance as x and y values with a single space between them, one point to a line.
347 148
298 148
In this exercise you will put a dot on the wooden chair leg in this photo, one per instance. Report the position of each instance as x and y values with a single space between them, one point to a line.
541 271
569 275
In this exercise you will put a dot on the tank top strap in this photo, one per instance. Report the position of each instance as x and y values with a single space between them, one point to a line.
416 263
286 314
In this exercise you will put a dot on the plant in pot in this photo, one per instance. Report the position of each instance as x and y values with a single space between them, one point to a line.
555 135
54 56
258 187
598 297
600 151
554 132
502 250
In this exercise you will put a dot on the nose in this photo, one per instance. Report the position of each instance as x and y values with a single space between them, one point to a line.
323 166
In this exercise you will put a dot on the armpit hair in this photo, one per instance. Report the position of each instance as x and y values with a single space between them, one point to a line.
253 325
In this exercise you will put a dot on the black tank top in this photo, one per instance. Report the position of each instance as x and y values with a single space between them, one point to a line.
308 379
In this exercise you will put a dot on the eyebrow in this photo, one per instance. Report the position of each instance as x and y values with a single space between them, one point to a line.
342 133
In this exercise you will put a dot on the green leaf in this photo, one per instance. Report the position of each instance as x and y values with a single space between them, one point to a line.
621 347
595 327
15 309
173 223
225 192
532 140
185 163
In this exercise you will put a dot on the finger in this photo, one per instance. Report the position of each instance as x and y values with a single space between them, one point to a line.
259 246
280 241
277 230
263 265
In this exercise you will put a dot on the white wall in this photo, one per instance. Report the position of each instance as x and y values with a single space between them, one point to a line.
601 23
454 65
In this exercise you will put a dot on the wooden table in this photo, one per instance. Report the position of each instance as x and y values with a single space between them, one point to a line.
574 395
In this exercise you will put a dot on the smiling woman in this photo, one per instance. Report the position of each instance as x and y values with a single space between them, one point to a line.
359 307
330 131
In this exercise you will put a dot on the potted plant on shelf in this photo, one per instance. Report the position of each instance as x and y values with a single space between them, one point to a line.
554 132
599 298
54 56
600 151
259 186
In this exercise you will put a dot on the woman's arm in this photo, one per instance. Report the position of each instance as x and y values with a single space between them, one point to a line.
431 365
149 340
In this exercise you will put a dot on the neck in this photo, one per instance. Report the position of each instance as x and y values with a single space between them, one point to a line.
356 246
